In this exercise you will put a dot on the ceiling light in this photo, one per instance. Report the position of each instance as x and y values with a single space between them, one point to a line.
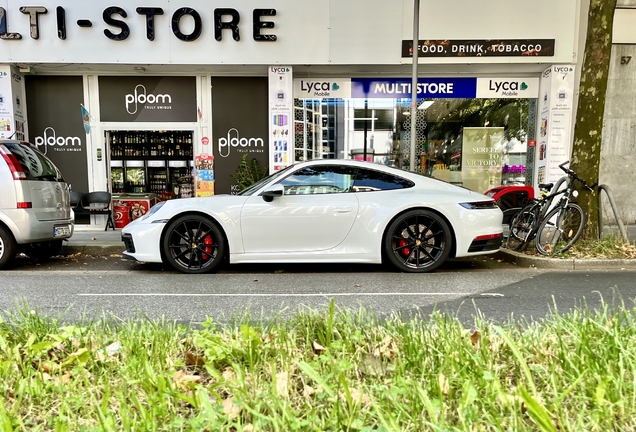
425 105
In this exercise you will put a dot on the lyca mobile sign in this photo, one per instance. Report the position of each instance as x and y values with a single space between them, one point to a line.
117 21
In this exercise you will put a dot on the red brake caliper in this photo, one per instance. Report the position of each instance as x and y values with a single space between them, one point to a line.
208 249
404 250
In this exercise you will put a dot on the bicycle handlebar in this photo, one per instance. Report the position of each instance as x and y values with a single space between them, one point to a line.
572 174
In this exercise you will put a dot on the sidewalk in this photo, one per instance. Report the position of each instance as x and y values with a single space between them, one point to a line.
91 240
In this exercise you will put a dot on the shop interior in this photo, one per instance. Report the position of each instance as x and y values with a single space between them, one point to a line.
475 143
157 163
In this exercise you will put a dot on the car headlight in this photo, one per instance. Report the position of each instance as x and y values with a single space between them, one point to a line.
153 210
479 205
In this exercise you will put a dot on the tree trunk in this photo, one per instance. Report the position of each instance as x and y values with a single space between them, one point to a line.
586 154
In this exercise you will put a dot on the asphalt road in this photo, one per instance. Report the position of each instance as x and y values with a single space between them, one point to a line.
97 286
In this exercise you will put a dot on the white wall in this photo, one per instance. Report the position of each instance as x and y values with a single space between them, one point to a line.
319 32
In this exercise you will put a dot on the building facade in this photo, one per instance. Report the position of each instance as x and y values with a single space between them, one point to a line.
169 97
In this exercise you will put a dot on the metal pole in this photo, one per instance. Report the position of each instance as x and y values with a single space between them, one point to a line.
366 119
416 42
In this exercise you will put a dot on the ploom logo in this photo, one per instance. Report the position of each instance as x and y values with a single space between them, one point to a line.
50 139
234 140
149 101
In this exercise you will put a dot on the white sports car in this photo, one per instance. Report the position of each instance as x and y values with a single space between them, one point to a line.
323 211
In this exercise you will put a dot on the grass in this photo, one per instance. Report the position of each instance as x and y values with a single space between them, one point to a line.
338 371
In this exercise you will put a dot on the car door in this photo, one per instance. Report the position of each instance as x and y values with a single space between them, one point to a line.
315 213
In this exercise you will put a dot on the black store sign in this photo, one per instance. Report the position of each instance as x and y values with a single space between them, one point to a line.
481 48
55 124
147 99
240 109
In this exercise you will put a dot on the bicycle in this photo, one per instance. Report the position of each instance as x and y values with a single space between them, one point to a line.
563 225
525 223
555 230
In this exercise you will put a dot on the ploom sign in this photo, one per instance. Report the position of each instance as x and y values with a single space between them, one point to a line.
148 101
50 139
244 145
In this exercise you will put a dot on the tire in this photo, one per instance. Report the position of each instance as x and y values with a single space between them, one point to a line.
193 244
8 248
44 250
422 232
560 229
522 228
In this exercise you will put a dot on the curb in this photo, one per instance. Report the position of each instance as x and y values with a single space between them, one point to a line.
97 249
523 260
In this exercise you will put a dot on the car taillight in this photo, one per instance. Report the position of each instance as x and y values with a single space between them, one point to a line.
14 165
488 237
25 205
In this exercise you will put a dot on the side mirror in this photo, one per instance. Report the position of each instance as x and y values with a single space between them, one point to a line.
272 192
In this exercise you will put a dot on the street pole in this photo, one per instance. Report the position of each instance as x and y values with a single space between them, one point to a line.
416 41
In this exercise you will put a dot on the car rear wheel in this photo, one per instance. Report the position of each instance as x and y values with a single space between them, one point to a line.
418 241
7 248
43 251
193 244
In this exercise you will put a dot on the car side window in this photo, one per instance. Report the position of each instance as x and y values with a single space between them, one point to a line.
370 181
319 179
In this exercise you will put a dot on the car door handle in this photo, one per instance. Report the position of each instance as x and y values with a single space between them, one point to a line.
343 209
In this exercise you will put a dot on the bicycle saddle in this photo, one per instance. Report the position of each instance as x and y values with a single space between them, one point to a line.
546 186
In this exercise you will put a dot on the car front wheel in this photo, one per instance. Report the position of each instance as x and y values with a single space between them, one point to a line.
193 244
7 247
418 241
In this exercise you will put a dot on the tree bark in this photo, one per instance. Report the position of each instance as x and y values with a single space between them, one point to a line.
586 153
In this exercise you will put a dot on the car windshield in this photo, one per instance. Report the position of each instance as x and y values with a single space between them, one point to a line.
256 186
35 165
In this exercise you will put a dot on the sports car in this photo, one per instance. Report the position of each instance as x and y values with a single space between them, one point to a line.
322 211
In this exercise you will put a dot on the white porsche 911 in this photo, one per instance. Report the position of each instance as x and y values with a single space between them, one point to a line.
322 211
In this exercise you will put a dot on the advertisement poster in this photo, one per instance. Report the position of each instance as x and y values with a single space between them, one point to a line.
556 99
239 128
204 175
147 99
6 103
482 150
281 134
59 133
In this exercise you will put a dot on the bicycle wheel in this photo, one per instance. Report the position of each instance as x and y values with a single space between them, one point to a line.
522 227
560 229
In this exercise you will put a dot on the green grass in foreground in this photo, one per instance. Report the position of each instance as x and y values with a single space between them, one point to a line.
337 371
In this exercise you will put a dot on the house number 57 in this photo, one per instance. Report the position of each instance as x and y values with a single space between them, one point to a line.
625 59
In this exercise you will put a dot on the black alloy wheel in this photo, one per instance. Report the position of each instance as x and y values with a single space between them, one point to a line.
193 244
418 241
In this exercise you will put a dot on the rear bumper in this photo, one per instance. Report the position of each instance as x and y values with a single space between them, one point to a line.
486 244
26 227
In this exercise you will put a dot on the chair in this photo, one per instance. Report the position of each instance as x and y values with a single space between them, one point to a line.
75 199
94 203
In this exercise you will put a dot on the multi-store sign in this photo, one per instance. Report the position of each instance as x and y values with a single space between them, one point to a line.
119 29
400 88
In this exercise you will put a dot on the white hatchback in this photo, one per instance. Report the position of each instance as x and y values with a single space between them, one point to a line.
35 212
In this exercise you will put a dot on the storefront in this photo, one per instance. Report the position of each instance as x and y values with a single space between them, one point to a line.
171 100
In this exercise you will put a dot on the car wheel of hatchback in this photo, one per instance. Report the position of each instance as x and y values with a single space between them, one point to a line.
7 247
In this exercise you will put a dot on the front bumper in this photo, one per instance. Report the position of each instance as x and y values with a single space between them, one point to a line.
143 241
